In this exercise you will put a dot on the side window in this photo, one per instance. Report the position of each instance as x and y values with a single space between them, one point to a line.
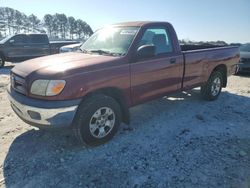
38 39
19 39
159 38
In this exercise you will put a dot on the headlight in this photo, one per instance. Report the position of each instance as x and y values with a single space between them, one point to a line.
47 87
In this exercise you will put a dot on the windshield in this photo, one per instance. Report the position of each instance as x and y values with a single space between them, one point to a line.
110 41
5 39
245 48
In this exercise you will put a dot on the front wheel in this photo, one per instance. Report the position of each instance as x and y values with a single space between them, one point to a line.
97 120
212 89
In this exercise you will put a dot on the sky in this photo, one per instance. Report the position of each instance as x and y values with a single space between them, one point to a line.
197 20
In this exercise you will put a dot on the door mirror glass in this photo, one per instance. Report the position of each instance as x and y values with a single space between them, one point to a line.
145 51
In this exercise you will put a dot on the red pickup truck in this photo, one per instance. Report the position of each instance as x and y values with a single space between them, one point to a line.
118 67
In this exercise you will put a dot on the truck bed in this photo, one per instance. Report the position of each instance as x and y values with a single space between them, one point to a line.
199 62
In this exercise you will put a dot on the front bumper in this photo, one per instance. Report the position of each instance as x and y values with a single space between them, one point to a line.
42 113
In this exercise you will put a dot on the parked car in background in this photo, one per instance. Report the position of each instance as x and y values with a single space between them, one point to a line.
244 65
118 67
26 46
70 48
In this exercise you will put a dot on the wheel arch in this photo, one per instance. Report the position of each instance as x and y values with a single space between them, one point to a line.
116 94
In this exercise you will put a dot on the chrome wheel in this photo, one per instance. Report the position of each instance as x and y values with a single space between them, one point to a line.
102 122
216 86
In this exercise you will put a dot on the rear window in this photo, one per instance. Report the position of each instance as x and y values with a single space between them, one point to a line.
38 39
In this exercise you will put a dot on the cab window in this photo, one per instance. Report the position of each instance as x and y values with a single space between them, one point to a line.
38 39
19 39
159 38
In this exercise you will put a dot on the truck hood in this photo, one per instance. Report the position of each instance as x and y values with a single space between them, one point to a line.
245 54
63 64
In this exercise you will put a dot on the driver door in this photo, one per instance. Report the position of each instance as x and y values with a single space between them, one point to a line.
154 77
18 48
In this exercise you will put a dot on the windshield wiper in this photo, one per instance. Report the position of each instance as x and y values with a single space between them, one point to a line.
84 51
103 52
100 52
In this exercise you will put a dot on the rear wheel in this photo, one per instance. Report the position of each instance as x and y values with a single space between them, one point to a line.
212 89
1 61
97 120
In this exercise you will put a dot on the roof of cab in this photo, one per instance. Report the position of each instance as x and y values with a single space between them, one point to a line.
138 23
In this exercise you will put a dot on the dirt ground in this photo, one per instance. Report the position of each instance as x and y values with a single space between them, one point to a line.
176 141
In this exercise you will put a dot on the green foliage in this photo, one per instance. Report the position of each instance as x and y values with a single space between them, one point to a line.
57 25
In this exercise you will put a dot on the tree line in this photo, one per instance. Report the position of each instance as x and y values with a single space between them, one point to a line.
57 26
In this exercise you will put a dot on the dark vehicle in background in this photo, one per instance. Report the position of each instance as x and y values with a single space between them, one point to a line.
244 65
22 47
118 67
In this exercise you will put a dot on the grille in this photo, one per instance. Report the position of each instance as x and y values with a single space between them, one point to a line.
18 83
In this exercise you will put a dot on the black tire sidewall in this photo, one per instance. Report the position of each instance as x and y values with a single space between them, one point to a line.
85 112
207 89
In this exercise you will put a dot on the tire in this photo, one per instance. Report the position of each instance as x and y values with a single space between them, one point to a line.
212 89
2 62
97 120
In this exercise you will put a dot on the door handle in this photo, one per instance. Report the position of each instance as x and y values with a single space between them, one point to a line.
172 61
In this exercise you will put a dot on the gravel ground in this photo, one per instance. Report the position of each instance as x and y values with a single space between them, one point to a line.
176 141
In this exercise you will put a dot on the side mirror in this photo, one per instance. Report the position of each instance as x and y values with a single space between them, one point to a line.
145 51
